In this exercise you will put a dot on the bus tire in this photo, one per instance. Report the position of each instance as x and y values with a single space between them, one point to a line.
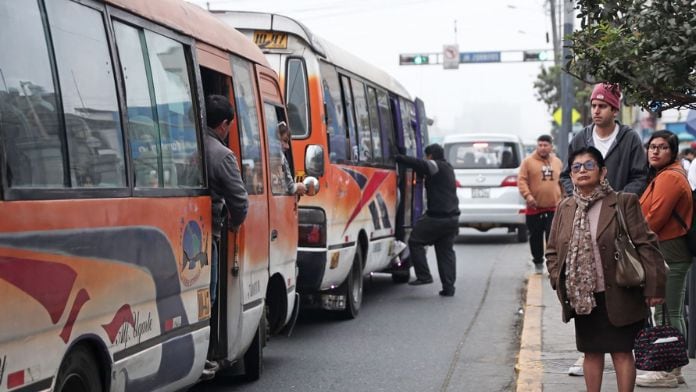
78 372
353 288
401 276
253 358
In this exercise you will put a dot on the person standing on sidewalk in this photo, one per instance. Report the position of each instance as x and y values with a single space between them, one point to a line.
582 270
666 201
621 149
538 182
440 223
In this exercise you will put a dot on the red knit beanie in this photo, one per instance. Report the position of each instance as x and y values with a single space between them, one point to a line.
607 92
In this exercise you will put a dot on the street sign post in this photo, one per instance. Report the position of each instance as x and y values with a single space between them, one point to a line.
450 56
479 57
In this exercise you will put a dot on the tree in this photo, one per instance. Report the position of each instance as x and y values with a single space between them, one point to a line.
647 47
548 90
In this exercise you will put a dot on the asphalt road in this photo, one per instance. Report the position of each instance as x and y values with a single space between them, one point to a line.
409 338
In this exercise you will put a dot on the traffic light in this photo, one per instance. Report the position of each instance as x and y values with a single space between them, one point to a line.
414 59
535 55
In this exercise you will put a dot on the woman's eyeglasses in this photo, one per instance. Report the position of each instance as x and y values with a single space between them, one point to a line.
658 147
588 165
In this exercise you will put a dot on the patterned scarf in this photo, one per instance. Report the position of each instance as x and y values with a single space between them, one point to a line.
580 273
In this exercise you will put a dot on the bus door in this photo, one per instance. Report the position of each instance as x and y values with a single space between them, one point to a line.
216 72
250 257
282 209
421 142
404 210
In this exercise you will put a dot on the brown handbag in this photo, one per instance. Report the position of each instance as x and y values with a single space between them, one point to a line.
629 269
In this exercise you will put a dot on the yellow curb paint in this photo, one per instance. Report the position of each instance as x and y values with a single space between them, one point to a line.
530 369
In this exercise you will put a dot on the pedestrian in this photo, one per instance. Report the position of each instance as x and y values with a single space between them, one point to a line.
686 157
440 223
227 190
666 200
292 187
539 185
620 146
621 149
580 261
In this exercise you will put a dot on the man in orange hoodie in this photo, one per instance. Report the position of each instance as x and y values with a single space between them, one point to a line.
538 182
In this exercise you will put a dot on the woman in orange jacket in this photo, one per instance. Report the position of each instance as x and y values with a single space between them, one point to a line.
667 200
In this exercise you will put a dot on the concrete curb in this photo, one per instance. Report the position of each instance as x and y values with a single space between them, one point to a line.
529 367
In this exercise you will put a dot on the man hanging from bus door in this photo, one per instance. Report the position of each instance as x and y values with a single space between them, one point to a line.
292 187
227 189
440 223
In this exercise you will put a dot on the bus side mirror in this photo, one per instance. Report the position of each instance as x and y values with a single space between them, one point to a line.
314 160
312 185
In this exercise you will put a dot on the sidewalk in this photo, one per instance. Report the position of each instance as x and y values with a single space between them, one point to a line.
547 348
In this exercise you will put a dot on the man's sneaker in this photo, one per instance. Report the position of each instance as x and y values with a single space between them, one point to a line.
209 370
539 268
657 380
678 374
576 369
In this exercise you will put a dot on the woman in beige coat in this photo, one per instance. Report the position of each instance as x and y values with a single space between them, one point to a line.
582 267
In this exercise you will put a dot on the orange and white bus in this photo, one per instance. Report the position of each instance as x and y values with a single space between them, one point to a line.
355 115
105 233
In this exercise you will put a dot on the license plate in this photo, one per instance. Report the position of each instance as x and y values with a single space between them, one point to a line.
480 193
271 39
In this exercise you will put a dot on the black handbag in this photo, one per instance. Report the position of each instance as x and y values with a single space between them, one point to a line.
629 268
660 347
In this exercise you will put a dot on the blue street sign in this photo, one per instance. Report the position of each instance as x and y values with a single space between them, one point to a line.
479 57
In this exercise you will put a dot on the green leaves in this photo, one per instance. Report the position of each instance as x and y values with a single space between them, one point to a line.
647 46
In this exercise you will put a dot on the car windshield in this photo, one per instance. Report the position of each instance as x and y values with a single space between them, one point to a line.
482 155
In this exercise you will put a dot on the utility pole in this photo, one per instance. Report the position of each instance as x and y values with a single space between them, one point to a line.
554 33
567 96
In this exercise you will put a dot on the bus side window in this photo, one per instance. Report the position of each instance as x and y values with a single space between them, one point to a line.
408 113
86 74
331 88
248 125
279 162
29 122
349 118
362 122
386 120
162 133
374 124
297 98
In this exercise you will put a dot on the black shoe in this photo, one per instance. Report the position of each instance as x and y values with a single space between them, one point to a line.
447 293
419 282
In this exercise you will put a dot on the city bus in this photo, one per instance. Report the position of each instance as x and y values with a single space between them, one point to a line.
105 236
360 116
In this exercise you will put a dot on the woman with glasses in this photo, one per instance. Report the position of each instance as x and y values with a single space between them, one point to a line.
582 270
665 202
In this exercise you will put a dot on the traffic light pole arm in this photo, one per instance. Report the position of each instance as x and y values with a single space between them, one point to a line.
500 56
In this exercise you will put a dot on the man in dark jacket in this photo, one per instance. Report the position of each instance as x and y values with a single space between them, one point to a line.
229 196
620 146
224 178
440 224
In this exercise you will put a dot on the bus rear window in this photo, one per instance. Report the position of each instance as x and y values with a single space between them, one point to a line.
482 155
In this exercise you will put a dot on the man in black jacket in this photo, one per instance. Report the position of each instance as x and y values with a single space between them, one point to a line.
440 224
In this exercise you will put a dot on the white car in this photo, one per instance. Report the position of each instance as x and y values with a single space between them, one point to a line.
486 167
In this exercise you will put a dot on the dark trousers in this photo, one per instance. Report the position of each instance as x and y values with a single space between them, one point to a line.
539 226
441 233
